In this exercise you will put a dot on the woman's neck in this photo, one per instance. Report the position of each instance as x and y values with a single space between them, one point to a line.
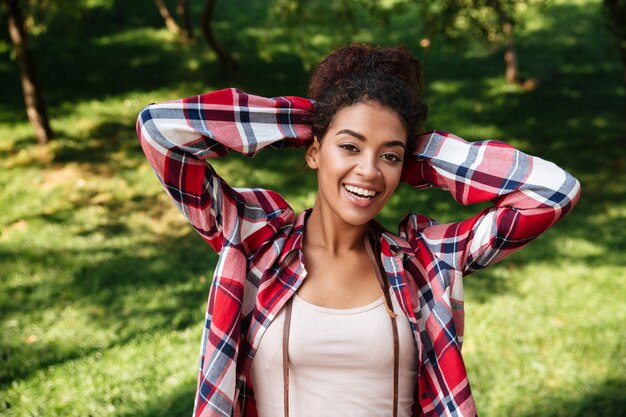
328 233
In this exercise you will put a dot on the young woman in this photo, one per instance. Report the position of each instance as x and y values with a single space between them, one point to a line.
325 312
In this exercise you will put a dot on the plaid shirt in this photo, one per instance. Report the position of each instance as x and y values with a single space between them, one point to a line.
259 237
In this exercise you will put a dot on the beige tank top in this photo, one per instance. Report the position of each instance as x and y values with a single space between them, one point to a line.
341 362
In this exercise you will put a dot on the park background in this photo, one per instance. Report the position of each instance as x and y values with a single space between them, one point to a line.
103 285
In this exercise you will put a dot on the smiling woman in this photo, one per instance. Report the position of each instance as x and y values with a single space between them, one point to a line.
325 312
358 166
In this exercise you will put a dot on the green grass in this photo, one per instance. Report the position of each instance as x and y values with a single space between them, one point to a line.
103 285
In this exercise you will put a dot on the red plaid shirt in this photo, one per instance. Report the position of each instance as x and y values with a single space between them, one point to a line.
259 237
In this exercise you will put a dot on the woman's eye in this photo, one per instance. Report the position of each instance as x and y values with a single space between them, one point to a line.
391 157
348 147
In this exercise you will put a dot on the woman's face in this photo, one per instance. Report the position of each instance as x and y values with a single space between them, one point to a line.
358 161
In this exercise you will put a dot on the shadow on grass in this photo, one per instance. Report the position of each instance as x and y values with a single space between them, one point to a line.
607 398
132 292
177 404
100 143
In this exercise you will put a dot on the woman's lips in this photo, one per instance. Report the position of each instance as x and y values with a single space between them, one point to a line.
359 201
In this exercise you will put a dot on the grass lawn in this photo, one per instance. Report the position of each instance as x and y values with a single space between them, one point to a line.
103 285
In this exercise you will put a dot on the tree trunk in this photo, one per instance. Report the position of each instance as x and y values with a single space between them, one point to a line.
511 73
170 23
510 55
35 105
207 29
182 9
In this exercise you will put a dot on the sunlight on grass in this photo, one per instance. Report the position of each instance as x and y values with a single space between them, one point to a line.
102 383
140 35
579 248
92 4
538 326
445 87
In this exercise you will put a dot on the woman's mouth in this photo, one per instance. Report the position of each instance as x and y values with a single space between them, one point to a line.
359 192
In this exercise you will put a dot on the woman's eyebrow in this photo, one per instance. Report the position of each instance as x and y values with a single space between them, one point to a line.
352 133
362 138
395 143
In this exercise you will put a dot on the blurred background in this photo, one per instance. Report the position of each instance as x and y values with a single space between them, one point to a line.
103 285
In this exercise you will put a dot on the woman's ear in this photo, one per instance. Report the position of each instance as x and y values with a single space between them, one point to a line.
312 154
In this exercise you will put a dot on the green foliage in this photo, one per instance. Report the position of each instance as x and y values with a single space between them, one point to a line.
304 23
483 19
39 13
615 11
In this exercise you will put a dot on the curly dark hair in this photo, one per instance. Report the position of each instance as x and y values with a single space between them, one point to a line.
357 73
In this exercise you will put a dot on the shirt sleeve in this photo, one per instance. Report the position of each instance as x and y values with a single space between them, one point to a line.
179 136
529 195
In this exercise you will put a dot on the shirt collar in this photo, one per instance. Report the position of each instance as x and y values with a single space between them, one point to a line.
295 239
389 242
395 244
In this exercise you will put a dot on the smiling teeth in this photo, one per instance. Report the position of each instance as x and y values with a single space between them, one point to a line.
360 191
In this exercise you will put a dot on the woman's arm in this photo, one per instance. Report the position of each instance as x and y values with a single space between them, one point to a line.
529 195
178 136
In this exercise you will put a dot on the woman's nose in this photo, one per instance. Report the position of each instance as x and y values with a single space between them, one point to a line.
368 168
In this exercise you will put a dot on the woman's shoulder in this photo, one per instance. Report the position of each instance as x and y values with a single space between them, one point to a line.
409 229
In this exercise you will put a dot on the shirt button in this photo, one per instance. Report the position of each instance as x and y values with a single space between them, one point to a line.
424 396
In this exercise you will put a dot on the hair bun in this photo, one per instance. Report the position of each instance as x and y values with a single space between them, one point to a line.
357 60
358 73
